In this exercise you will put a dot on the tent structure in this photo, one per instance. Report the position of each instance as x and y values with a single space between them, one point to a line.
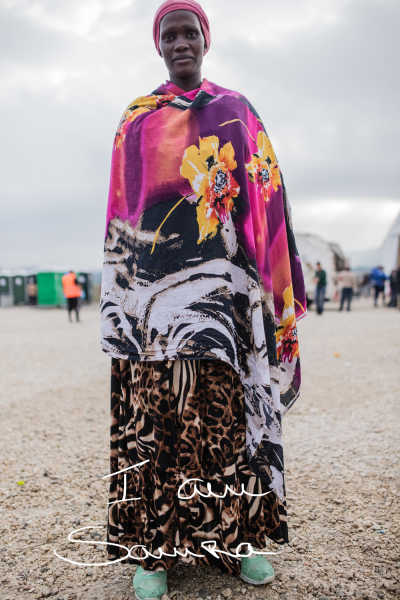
390 250
313 249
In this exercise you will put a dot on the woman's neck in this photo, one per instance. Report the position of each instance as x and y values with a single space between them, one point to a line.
187 85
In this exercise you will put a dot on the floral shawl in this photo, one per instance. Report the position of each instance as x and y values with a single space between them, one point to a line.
200 258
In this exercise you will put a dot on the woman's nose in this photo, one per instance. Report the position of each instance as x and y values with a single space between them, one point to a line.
181 45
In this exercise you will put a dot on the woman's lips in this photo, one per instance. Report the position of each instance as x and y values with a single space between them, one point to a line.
182 58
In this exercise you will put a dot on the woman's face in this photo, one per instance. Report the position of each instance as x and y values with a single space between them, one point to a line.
182 43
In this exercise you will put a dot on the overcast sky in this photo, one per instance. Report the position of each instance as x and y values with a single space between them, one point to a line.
323 74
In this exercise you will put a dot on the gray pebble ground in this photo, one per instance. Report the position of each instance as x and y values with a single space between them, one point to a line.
342 447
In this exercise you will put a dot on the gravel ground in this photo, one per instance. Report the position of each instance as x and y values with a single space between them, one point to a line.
342 447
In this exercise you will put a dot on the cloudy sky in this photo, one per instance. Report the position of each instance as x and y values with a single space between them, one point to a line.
322 73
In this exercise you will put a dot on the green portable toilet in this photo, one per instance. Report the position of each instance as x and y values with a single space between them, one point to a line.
6 292
50 289
85 281
4 284
19 285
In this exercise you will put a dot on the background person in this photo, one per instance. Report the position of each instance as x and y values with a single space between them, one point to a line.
393 288
348 281
191 332
378 279
366 285
31 291
72 291
320 290
398 288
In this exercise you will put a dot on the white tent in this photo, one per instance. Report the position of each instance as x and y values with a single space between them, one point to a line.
390 250
313 249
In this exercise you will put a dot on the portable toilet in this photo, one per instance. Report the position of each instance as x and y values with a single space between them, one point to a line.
6 292
50 291
85 281
5 285
18 287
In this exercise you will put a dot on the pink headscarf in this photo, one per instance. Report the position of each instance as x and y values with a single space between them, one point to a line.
170 5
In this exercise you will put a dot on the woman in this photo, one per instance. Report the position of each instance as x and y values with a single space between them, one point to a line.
202 286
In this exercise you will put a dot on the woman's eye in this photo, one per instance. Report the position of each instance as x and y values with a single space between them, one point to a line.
192 34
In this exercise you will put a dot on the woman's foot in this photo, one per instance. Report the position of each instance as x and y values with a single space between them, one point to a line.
150 585
256 570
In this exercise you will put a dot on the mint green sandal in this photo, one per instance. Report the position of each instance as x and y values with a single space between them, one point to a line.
256 570
150 585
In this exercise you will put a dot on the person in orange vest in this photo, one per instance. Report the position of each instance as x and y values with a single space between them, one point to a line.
72 292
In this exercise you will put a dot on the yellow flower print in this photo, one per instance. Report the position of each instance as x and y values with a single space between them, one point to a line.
263 168
287 345
209 171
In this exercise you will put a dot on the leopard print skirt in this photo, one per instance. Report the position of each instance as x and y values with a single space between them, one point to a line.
184 420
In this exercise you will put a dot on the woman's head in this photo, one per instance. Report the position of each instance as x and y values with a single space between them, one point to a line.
182 36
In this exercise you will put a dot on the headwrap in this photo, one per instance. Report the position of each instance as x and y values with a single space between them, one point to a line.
192 6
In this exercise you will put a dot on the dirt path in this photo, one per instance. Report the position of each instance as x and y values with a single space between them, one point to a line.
342 444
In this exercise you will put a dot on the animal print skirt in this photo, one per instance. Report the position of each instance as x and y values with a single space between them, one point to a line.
184 420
